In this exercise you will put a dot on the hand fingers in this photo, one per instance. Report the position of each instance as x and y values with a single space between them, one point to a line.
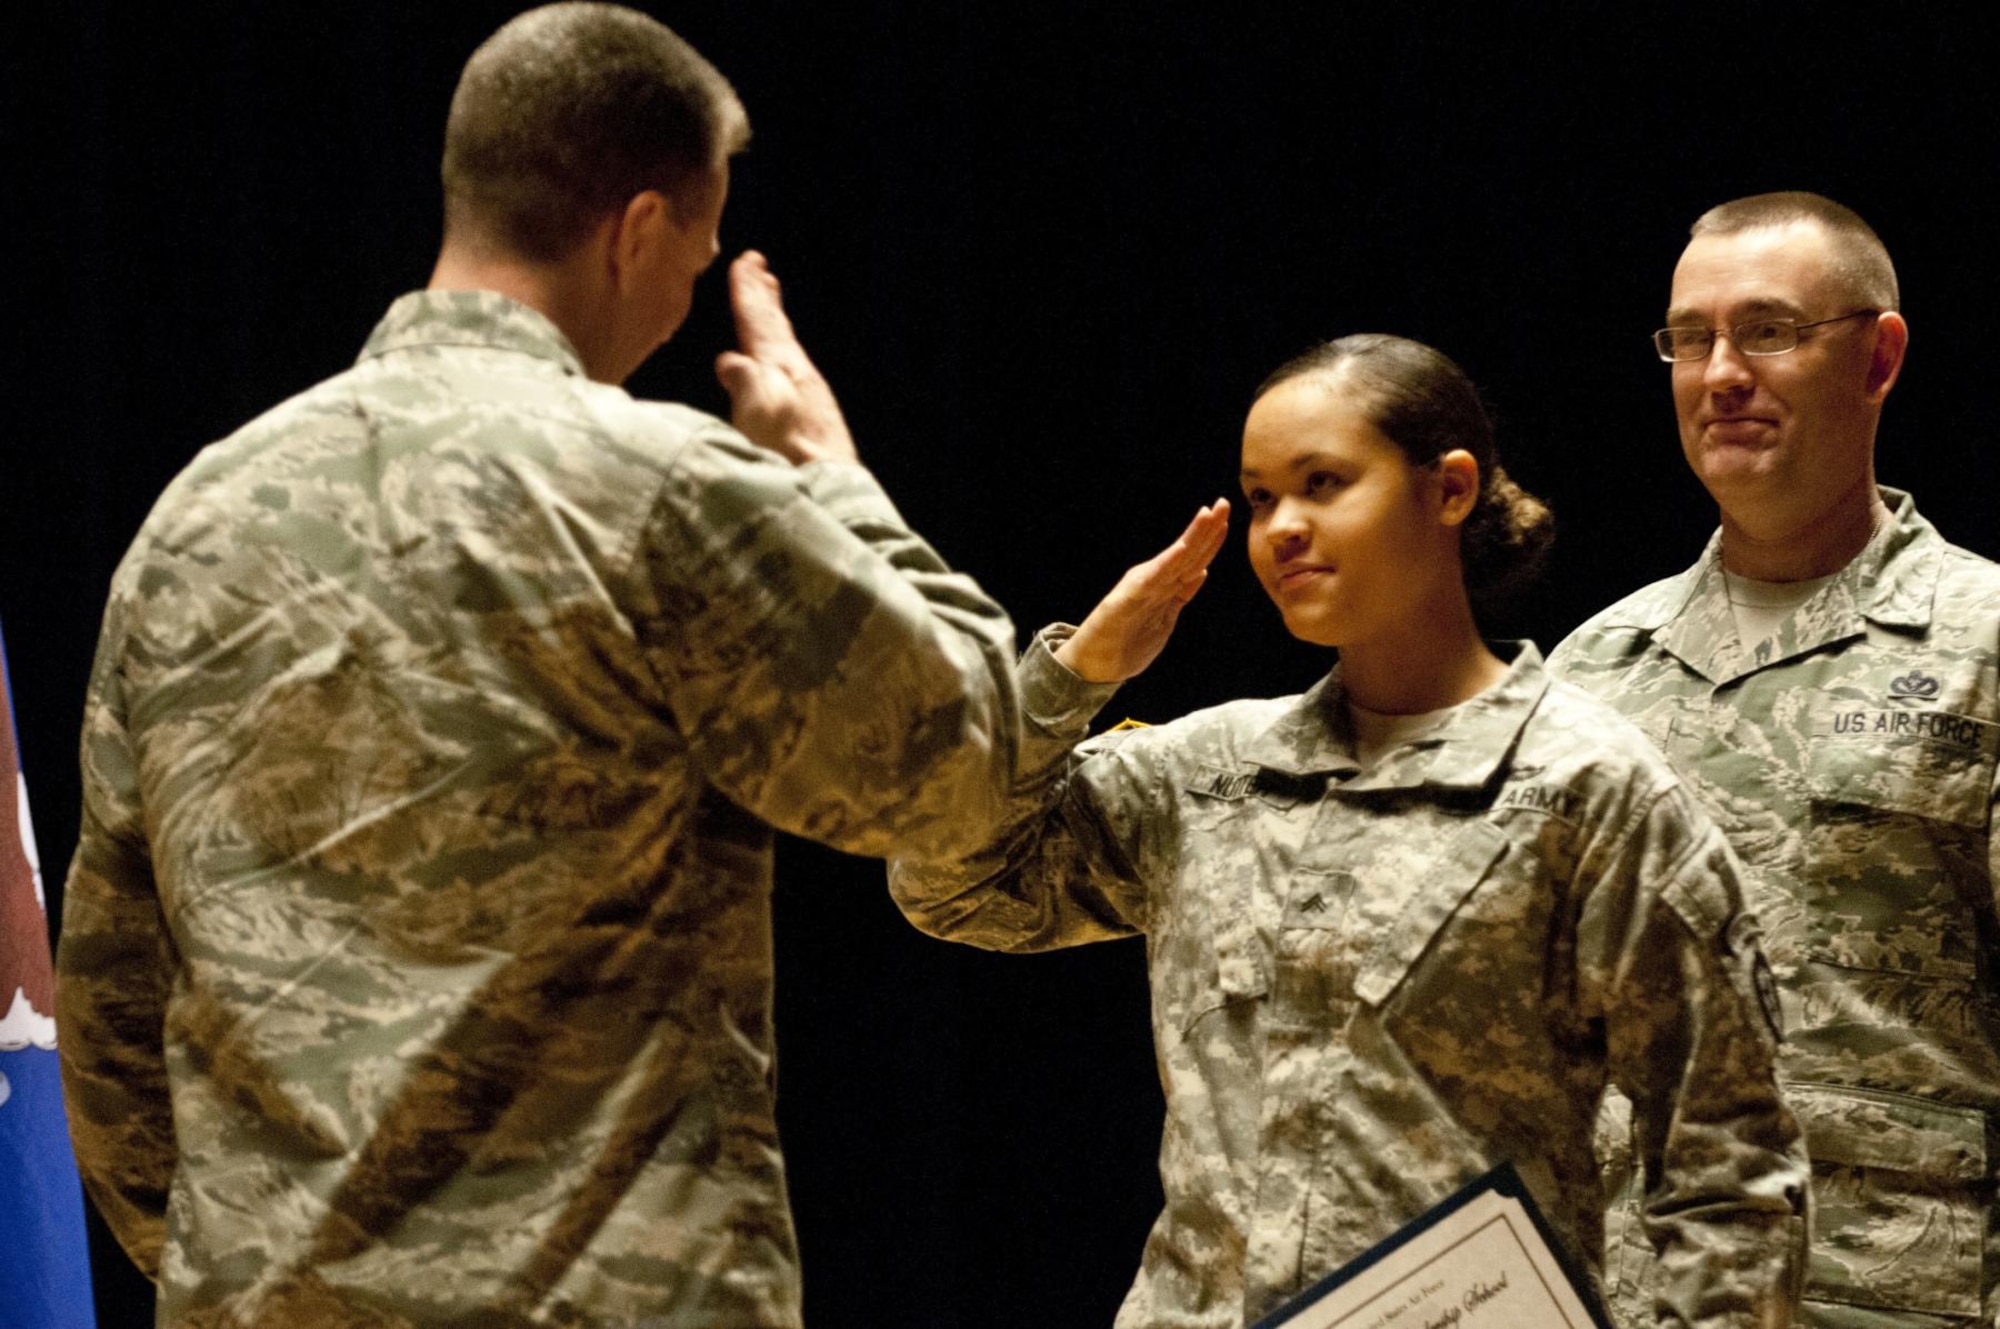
762 327
752 283
1172 576
1217 525
1189 585
758 304
1212 528
1209 524
1202 540
1191 549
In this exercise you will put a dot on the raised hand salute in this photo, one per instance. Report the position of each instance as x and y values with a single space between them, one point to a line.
1129 627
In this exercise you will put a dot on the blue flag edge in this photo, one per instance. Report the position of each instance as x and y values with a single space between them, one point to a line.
44 1251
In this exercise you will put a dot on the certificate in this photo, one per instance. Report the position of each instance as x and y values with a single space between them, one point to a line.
1483 1259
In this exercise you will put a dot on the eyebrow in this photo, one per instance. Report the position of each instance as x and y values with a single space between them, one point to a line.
1298 463
1749 309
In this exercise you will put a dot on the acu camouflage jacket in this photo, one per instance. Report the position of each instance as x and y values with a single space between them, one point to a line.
1371 985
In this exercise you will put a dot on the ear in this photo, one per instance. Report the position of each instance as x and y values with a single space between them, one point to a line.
1458 486
1885 361
639 234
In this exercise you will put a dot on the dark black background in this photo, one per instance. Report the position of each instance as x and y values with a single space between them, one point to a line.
1044 251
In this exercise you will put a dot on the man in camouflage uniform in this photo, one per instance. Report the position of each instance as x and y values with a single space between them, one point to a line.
416 967
1826 678
1373 981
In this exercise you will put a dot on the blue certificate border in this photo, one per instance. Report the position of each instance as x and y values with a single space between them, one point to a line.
1503 1180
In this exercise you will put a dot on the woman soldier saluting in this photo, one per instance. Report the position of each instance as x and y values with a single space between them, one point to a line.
1407 925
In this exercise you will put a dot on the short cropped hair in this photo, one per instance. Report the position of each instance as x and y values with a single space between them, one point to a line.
1861 261
1420 400
568 112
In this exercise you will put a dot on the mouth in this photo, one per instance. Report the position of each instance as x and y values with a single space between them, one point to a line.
1738 428
1301 576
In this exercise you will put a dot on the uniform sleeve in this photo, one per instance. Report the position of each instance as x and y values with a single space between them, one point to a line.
834 676
113 970
1591 657
1692 1028
1061 865
1993 868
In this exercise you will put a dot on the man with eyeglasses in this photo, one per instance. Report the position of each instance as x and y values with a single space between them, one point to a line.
1826 678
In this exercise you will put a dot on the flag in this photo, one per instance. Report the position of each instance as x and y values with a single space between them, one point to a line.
44 1261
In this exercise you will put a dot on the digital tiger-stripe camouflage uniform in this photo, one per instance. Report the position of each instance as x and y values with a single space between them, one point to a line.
1850 760
1370 986
438 725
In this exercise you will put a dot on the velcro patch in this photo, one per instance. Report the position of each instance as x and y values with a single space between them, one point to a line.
1231 785
1554 799
1958 731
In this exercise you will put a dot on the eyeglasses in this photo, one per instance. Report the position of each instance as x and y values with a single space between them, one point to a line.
1759 336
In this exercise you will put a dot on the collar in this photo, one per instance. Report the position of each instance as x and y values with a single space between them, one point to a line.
1315 737
471 318
1892 583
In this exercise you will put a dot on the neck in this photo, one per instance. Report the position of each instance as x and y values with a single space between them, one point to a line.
1435 659
560 291
1801 550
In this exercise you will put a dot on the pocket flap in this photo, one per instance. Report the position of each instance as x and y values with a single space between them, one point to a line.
1937 766
1459 869
1871 1128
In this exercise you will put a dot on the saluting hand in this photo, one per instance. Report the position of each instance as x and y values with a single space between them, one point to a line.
778 400
1130 626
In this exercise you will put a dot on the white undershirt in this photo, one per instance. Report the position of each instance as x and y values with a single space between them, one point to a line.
1375 732
1761 607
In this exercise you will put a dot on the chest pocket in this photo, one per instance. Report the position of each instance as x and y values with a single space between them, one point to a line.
1898 1198
1897 840
1241 834
1466 861
1926 763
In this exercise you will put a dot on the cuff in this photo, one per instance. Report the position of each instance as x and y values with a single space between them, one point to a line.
850 492
1053 697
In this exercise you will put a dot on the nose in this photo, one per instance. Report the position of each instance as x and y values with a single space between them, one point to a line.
1726 366
1285 529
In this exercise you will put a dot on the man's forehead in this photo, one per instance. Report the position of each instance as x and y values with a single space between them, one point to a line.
1769 269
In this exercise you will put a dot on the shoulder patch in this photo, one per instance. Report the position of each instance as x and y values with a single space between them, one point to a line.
1744 940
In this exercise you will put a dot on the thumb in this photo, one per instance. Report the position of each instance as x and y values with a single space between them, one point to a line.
741 377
